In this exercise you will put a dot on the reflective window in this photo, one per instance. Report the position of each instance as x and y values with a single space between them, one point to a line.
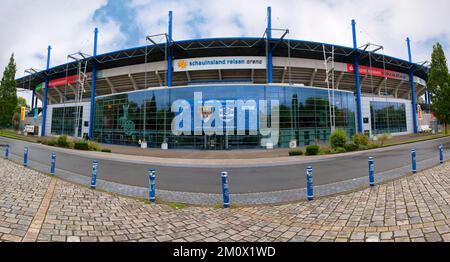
387 117
305 115
64 120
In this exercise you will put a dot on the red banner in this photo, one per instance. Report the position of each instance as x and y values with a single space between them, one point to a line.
379 72
63 81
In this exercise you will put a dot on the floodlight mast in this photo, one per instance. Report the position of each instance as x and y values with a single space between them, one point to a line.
31 72
79 57
150 39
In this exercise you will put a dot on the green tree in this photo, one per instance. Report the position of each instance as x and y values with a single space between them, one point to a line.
16 116
439 71
8 95
21 101
439 85
441 106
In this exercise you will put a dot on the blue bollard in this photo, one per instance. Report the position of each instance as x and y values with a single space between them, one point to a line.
413 161
25 156
371 172
94 174
52 167
309 183
7 152
225 191
151 190
441 154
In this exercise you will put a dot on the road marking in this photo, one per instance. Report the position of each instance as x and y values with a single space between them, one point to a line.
35 227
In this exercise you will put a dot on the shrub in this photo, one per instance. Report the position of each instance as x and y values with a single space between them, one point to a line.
339 150
383 138
361 139
338 138
324 151
81 145
93 146
63 141
351 147
363 147
296 152
51 142
106 150
374 145
312 150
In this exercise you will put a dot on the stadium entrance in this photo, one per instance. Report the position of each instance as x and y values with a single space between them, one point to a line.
216 142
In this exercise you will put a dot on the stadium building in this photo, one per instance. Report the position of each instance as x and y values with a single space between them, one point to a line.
125 97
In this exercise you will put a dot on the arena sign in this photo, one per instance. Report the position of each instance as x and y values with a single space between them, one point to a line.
58 82
216 63
228 116
379 72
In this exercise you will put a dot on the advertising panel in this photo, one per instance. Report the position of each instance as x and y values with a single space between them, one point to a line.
379 72
215 63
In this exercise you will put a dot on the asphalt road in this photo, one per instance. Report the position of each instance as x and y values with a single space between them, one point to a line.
242 179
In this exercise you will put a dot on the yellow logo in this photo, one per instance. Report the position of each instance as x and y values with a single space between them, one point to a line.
182 64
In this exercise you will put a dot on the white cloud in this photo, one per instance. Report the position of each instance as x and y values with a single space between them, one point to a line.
383 22
29 26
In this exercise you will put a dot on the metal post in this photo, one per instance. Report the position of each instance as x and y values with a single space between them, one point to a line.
94 174
413 90
309 183
371 172
25 156
151 189
269 46
94 79
32 100
357 80
52 167
225 191
44 112
441 154
169 53
7 152
35 114
413 161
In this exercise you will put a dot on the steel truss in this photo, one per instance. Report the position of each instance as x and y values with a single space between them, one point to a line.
230 43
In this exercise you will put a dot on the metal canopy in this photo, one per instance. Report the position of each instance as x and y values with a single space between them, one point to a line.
227 47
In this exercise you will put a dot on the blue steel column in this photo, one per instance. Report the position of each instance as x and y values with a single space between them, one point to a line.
269 46
44 112
413 91
169 53
94 78
32 101
359 119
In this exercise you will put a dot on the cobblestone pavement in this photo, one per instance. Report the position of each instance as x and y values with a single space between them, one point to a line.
414 208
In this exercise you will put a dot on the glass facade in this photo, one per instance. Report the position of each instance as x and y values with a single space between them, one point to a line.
64 120
388 117
304 116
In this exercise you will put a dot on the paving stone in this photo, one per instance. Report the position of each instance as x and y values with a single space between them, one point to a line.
413 208
73 239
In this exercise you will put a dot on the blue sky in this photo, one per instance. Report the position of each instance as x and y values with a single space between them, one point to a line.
123 14
68 25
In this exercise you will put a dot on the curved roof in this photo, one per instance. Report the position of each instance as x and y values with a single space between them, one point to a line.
236 46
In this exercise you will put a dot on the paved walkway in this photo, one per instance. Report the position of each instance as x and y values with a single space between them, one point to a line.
414 208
